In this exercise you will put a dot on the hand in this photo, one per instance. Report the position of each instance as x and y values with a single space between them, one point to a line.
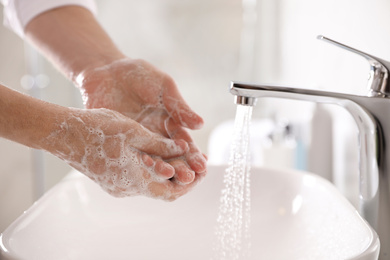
140 91
86 55
118 153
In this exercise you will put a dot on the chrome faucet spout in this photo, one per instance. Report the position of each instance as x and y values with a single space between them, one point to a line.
245 101
370 115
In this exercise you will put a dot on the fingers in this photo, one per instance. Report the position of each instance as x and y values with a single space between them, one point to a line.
168 188
155 144
171 190
176 169
183 174
178 108
195 159
161 168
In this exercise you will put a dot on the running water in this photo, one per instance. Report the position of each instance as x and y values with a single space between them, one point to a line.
233 222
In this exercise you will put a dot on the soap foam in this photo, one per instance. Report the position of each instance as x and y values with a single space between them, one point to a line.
120 173
155 92
150 109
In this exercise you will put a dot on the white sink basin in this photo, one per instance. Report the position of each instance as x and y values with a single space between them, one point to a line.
295 215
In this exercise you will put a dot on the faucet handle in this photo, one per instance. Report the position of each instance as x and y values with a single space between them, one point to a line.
379 70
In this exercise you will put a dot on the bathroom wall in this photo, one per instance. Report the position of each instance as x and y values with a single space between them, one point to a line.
295 57
17 163
198 43
306 61
15 176
303 61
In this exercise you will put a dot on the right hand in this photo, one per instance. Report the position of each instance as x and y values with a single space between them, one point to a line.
149 96
118 153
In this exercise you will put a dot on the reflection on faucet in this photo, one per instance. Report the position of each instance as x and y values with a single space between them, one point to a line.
370 115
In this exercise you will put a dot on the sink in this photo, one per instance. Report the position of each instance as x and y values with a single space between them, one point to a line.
295 215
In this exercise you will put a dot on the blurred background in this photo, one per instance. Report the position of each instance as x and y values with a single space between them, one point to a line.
203 45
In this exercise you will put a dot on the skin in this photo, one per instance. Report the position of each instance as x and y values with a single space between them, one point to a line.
80 136
77 45
150 97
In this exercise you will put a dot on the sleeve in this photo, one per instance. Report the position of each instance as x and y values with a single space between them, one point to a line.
18 13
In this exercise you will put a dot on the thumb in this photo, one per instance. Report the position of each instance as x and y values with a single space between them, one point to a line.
177 108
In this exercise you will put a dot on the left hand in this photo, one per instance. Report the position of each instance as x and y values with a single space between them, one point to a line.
140 91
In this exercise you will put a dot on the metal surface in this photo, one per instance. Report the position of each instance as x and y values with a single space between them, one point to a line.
379 69
370 115
245 101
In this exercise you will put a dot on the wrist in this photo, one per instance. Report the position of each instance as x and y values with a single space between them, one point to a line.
26 120
66 137
79 69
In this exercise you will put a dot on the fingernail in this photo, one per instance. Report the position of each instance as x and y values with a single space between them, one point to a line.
196 123
199 125
187 176
199 163
191 120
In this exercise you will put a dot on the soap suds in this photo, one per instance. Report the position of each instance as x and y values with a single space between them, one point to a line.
104 150
140 91
134 80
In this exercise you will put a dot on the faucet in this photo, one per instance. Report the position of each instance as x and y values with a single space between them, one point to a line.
371 116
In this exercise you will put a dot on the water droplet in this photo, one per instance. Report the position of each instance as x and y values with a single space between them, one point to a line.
233 221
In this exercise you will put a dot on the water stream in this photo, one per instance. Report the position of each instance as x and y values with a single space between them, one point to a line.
233 221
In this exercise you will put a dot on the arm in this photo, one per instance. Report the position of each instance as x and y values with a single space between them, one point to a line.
72 39
18 13
75 42
24 119
111 149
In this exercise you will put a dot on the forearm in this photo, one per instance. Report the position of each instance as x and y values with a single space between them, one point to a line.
72 39
27 120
